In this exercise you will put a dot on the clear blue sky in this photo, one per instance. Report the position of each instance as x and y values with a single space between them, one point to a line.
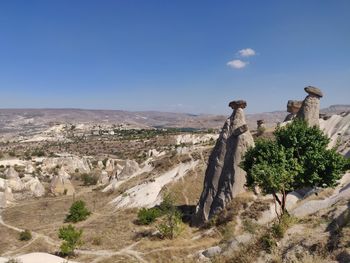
172 55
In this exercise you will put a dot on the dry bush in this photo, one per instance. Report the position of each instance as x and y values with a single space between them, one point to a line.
255 210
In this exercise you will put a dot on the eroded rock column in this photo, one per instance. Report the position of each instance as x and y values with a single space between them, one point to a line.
224 179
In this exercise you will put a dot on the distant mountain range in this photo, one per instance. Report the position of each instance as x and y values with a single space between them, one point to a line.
19 119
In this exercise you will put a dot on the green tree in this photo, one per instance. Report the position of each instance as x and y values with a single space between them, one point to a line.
172 223
320 167
71 239
297 158
77 212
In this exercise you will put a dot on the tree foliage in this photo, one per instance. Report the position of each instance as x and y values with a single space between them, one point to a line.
146 216
77 212
297 158
71 239
172 221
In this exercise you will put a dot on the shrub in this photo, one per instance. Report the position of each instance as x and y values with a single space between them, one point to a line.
146 216
279 228
89 179
71 239
268 242
77 212
172 223
25 235
250 226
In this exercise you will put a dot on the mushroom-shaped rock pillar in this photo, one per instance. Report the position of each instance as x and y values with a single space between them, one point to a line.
224 179
310 109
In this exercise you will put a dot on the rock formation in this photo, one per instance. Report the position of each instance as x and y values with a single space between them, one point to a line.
6 195
337 127
35 187
310 109
224 179
69 163
29 168
293 106
61 185
13 180
62 172
11 173
260 124
110 165
103 178
129 169
100 165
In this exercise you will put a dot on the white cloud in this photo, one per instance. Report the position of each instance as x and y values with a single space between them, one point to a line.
237 64
247 52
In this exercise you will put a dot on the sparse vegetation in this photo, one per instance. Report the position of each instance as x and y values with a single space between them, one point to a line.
13 260
89 179
71 239
25 235
146 216
77 212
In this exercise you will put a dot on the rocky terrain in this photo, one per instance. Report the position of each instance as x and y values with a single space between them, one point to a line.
58 124
120 162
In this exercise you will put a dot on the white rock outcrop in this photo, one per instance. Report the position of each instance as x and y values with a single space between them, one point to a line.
130 168
13 180
61 185
35 187
103 179
69 163
337 127
6 196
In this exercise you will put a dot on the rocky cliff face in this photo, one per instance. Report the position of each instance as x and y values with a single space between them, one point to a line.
224 179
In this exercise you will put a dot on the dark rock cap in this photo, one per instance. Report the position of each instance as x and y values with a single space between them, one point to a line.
260 122
235 104
314 91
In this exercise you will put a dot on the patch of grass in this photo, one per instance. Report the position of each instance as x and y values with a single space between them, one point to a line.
97 241
250 226
268 242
